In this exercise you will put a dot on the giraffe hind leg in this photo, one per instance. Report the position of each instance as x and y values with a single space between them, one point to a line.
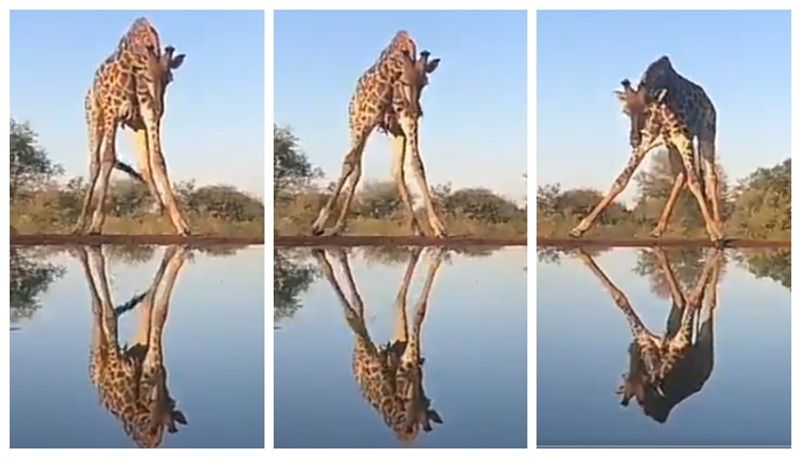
677 186
706 149
686 150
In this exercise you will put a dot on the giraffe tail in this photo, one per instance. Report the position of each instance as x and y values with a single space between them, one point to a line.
122 166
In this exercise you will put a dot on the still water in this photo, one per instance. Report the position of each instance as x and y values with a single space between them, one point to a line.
710 363
125 346
337 384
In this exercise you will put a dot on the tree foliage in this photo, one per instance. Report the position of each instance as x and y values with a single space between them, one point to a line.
29 166
30 277
763 204
292 277
292 170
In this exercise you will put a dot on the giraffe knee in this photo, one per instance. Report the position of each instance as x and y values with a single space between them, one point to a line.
416 163
621 181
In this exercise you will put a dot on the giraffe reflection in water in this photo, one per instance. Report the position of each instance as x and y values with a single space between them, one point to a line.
389 376
132 381
666 369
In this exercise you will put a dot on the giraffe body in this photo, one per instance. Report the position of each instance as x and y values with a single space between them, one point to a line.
387 96
128 91
668 109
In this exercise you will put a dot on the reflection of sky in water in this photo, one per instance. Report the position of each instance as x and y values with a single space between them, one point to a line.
582 345
213 348
474 344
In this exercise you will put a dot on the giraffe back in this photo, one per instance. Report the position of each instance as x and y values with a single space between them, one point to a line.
686 99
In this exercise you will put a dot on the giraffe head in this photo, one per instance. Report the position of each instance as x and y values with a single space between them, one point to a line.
637 106
419 414
159 67
414 78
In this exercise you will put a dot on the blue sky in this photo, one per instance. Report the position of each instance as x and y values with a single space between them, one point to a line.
213 129
741 58
474 129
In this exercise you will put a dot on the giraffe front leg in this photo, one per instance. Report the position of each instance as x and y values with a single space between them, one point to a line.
160 176
341 221
351 160
619 185
398 171
410 130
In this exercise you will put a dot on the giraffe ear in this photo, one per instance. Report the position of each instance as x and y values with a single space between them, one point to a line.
176 61
432 65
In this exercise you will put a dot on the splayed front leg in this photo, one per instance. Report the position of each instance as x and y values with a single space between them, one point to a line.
410 127
619 185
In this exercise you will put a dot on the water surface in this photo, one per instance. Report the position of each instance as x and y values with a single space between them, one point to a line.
192 321
729 386
470 389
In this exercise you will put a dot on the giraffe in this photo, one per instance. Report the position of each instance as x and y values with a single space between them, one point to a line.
132 381
390 376
128 91
665 370
668 109
387 96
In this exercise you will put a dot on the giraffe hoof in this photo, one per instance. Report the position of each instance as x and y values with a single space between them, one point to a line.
575 233
656 233
317 231
721 242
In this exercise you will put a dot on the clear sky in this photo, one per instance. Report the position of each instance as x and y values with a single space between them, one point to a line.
741 58
474 129
213 129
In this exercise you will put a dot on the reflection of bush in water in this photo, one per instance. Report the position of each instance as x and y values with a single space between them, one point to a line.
293 276
394 255
686 263
553 254
773 264
129 254
29 278
386 254
226 250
